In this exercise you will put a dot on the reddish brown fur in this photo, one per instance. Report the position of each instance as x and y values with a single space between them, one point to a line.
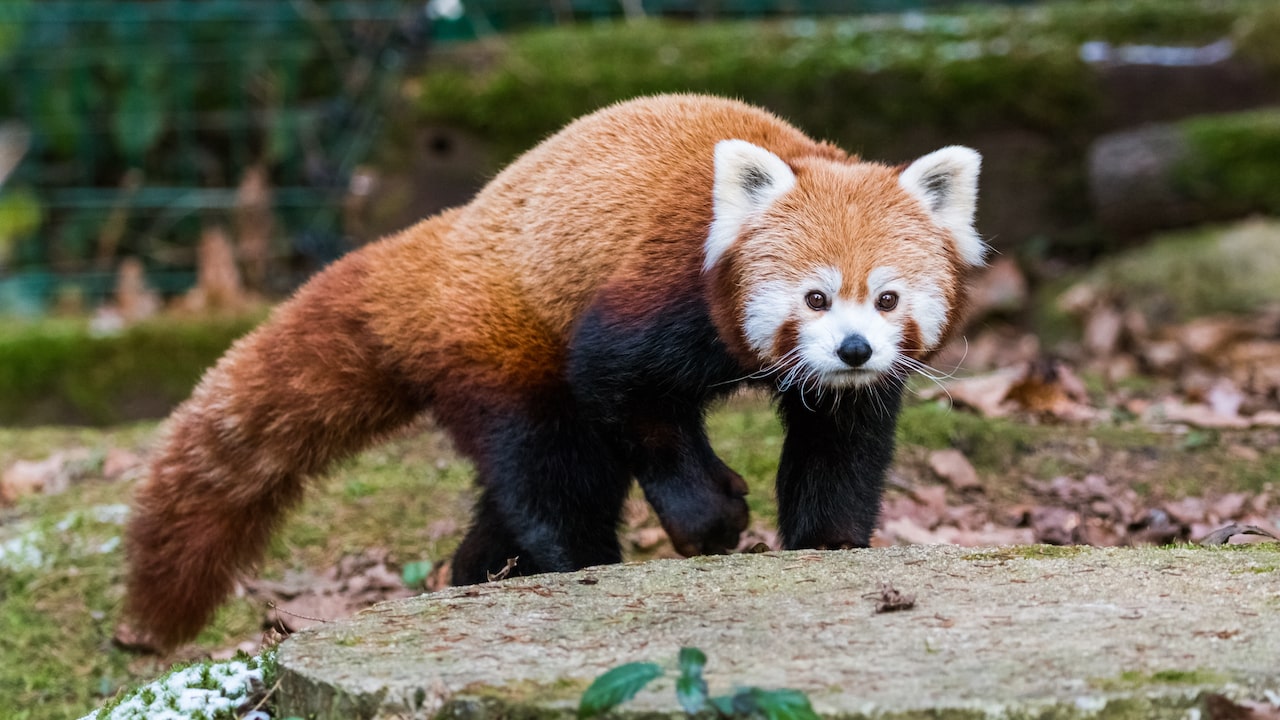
465 313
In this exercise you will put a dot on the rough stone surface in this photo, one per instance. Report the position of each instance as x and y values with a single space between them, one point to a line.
1033 632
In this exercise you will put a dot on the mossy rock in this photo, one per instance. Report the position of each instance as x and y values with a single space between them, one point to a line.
1189 274
1203 168
1092 633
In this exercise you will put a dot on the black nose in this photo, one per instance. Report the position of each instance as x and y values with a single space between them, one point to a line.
854 351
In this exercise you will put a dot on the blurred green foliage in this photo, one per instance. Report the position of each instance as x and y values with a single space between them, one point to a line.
145 115
62 371
857 80
1233 162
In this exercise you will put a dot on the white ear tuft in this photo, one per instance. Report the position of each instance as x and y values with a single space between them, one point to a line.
748 179
946 181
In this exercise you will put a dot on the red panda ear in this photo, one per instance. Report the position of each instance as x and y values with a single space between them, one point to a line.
946 181
748 179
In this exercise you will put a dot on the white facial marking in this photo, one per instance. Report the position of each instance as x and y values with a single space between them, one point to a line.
821 333
946 182
821 337
748 179
768 307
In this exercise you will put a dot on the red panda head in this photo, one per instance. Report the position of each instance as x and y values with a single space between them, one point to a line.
839 273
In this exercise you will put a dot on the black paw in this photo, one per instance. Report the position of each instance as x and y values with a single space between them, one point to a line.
711 522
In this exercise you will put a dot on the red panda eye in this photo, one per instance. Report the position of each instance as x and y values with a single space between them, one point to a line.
887 301
817 300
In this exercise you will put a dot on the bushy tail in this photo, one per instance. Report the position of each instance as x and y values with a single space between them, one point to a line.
310 386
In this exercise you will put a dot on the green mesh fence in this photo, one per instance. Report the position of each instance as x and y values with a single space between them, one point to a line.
142 123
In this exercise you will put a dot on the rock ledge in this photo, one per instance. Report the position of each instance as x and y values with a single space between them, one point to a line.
1036 632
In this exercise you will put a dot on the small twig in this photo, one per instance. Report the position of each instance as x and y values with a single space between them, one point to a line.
505 571
888 599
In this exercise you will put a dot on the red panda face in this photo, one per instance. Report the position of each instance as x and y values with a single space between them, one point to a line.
844 273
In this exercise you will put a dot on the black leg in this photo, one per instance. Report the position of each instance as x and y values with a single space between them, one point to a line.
698 498
646 374
553 494
834 459
487 547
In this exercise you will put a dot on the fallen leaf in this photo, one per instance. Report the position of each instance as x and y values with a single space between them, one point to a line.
1187 510
1102 330
505 571
1208 337
1055 525
952 466
647 538
1197 414
308 610
1221 537
1001 287
985 393
121 464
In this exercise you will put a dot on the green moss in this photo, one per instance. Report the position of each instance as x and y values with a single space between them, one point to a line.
953 72
747 435
1030 552
968 69
1228 165
989 443
1133 679
59 371
1183 275
522 700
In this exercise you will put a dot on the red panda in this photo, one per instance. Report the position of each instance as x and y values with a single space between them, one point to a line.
568 328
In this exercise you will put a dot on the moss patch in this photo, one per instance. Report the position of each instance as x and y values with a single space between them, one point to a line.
61 372
1030 552
1183 275
1229 164
968 68
1133 679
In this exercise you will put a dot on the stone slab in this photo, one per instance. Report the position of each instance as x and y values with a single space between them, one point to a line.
1003 632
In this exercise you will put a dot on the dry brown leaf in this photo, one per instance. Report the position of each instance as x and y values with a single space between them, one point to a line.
889 599
1187 510
309 609
121 464
1002 286
1102 331
647 538
952 466
985 393
1209 337
1196 414
50 476
1050 388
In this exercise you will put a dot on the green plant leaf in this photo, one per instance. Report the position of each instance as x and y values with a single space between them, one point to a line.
615 687
691 688
774 704
415 573
724 705
692 661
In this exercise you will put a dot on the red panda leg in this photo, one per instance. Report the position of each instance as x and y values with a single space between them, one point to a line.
648 373
835 456
552 492
306 388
